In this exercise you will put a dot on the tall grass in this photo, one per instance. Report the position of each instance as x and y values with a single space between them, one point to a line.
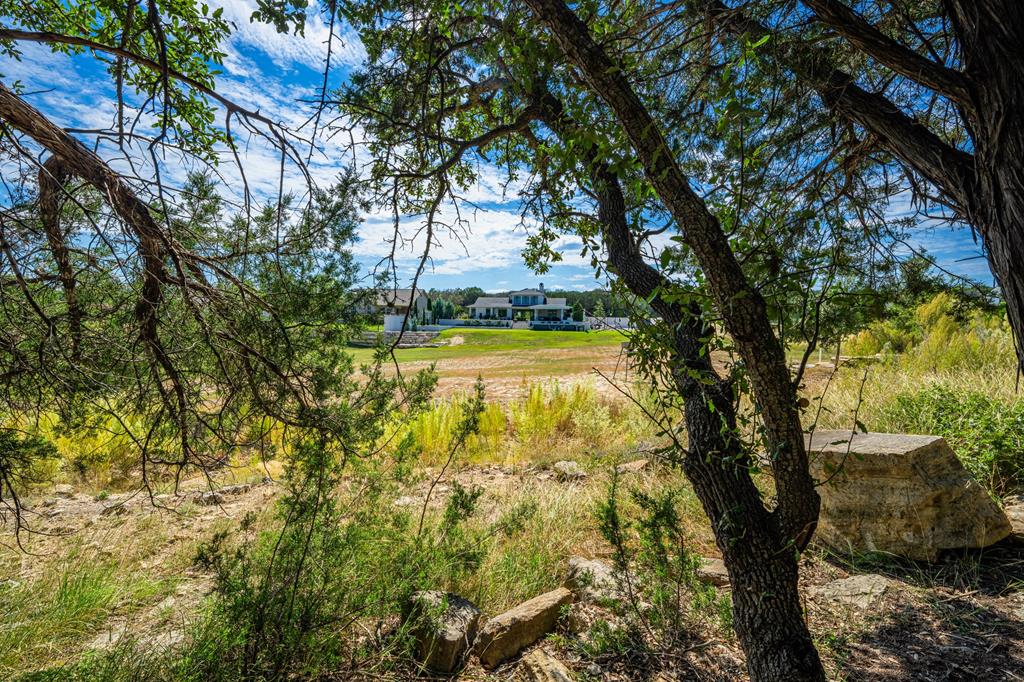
549 422
48 618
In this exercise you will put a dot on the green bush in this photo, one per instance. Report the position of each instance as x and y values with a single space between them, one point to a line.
985 432
665 602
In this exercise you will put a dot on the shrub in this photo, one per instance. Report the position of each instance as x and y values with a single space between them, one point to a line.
985 432
664 601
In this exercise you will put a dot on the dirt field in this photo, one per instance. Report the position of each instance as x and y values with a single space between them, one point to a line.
509 362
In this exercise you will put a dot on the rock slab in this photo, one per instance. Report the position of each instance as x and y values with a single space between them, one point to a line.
540 666
1014 511
634 467
901 494
567 470
860 591
443 627
505 635
713 572
591 580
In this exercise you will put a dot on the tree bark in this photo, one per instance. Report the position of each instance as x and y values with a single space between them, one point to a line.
991 34
760 559
741 306
52 178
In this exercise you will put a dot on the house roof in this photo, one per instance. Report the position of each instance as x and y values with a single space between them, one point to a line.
398 298
527 292
491 302
552 303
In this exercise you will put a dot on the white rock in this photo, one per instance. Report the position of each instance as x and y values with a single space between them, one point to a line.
540 666
444 626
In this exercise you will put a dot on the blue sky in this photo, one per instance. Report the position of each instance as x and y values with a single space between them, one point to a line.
273 72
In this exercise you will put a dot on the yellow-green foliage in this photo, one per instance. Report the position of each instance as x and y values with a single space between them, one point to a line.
549 421
881 336
936 340
983 340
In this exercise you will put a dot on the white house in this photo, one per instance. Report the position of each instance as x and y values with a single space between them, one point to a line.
395 302
531 304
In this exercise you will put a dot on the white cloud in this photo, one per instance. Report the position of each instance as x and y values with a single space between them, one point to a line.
288 49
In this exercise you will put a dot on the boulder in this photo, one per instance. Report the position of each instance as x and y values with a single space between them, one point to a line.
591 580
901 494
634 467
540 666
712 571
860 591
1014 510
507 634
64 490
568 471
443 626
209 498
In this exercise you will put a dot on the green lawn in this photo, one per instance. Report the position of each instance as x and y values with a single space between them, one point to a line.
482 341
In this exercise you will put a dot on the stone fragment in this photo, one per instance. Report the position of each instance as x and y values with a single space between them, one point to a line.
443 626
540 666
634 467
64 490
591 580
114 510
712 571
507 634
1014 510
860 591
900 494
209 498
568 471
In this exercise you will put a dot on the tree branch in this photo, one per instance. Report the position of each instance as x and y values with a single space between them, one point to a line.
890 53
61 39
951 170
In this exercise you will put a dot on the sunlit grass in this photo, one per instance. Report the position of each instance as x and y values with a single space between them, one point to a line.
482 341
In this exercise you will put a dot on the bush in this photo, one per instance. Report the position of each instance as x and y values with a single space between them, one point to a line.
985 432
664 602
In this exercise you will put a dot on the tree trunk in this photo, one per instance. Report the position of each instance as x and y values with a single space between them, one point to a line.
742 307
758 554
991 34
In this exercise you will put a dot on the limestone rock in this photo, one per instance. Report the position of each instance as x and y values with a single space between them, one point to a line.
443 625
860 591
568 470
540 666
712 571
209 498
901 494
591 580
507 634
64 490
1014 510
634 467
